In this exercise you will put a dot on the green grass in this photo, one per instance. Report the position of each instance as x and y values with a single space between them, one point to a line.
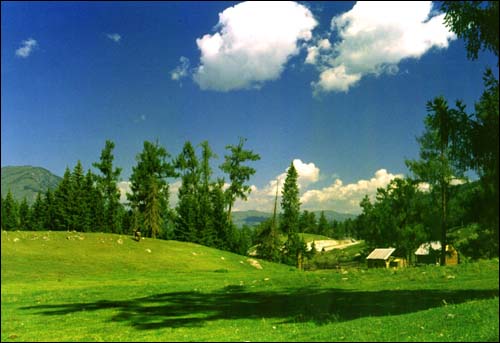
309 237
96 289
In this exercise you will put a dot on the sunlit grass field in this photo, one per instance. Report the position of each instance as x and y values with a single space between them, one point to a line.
60 286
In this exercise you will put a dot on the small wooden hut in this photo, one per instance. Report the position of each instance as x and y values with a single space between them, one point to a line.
380 258
430 253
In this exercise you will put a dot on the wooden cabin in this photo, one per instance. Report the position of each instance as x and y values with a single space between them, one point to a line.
430 253
379 258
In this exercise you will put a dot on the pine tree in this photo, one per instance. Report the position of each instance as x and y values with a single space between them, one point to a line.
238 173
63 203
10 215
108 186
322 225
290 204
206 211
148 182
37 213
51 211
24 215
77 203
188 210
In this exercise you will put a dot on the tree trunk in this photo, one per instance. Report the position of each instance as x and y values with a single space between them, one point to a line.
443 225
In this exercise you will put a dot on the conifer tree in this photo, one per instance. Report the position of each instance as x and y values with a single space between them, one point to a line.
37 213
10 215
148 181
290 204
322 224
24 215
238 173
108 186
188 210
62 203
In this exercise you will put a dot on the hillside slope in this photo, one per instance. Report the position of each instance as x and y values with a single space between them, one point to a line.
27 181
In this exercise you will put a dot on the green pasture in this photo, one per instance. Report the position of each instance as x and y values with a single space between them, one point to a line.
67 286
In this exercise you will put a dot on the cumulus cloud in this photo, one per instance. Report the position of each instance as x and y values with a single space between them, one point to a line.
262 199
346 198
124 188
26 48
373 38
115 37
181 70
337 196
252 45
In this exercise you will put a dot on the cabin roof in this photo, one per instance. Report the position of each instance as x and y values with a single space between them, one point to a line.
380 254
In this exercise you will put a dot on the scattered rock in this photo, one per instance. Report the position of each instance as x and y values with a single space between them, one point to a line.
450 276
119 241
15 239
222 258
266 279
344 278
194 253
254 263
148 250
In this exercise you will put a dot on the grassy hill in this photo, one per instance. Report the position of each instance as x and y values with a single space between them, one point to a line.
68 286
252 218
27 181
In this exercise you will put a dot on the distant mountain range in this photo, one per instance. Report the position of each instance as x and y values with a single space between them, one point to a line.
252 218
27 181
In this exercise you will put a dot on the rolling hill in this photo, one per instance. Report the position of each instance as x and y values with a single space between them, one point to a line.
27 181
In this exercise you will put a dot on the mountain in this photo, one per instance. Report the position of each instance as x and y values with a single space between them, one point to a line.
27 181
252 217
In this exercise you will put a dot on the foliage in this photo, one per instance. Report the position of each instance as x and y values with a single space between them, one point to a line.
474 21
108 186
149 187
237 172
10 213
397 218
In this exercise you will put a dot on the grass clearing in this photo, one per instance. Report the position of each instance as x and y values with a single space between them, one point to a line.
60 286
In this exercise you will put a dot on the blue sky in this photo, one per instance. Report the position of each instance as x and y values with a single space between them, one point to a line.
344 100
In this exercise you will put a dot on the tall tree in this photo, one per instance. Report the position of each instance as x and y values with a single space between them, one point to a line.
10 215
188 209
322 224
79 216
149 176
238 173
37 213
474 21
108 185
24 215
206 214
290 204
439 147
62 203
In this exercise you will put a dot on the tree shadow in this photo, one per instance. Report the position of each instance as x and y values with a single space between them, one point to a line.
188 309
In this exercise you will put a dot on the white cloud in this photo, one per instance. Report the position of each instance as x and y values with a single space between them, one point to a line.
346 198
180 71
114 37
254 41
337 196
26 48
124 188
374 38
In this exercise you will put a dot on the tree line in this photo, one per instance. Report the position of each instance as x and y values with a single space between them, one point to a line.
90 202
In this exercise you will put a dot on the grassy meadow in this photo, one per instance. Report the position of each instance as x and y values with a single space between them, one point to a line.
60 286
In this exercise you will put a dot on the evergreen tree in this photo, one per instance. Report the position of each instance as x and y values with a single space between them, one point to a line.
290 204
238 173
147 183
206 211
24 215
188 210
51 211
219 216
62 204
322 225
108 186
10 215
78 206
440 148
38 213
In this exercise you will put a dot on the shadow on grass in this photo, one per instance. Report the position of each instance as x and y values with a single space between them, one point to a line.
322 306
